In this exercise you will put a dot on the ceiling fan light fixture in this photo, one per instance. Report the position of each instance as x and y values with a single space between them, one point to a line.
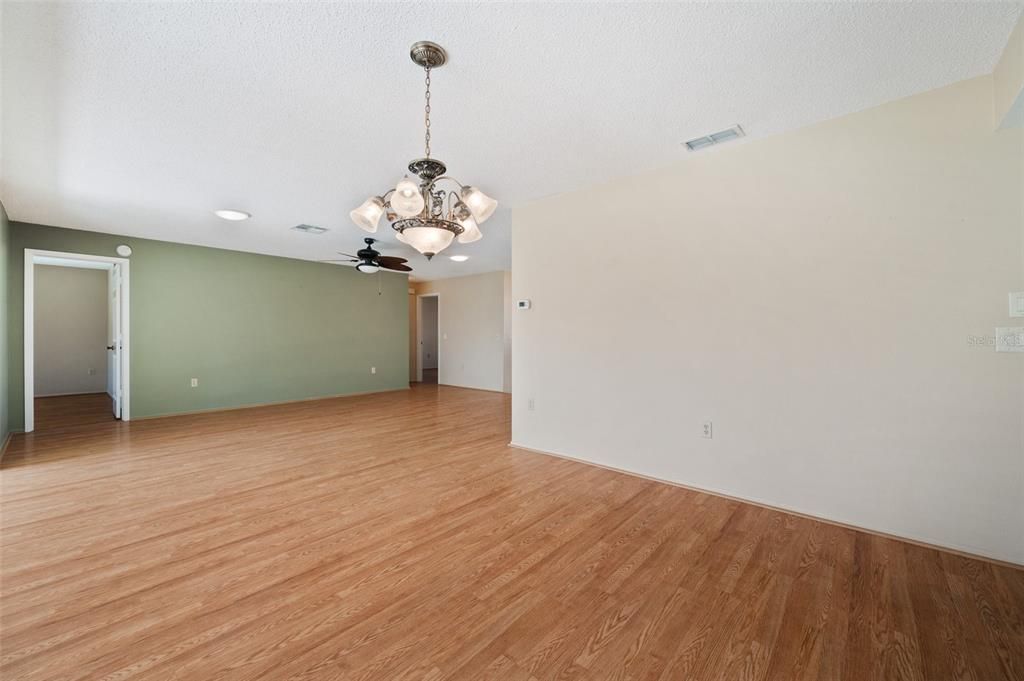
367 216
368 268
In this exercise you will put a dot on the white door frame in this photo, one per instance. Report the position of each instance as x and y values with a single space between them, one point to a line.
31 255
419 335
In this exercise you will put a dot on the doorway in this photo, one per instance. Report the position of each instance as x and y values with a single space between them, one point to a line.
428 337
76 340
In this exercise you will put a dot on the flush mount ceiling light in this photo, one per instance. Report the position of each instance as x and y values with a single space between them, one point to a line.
459 258
424 215
231 214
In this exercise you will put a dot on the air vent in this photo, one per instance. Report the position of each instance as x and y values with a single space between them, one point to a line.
309 229
715 138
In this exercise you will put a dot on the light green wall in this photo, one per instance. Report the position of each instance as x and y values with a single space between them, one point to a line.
5 235
252 328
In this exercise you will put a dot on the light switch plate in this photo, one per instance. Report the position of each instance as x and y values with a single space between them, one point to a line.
1010 339
1017 304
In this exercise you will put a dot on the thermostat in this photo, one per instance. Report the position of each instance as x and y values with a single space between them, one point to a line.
523 304
1017 304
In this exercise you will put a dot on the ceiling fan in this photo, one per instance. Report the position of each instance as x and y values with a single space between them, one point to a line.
369 260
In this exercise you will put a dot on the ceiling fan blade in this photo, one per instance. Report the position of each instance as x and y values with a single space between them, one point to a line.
389 260
397 267
348 255
348 260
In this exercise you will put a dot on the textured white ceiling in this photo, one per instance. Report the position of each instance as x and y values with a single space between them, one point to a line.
141 118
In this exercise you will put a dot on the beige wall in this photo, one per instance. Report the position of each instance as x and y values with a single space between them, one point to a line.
471 320
814 295
71 330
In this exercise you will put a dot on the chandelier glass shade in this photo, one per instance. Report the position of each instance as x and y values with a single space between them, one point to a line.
481 205
431 213
407 201
368 215
470 230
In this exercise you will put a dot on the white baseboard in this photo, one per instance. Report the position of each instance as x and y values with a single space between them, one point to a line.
266 404
928 544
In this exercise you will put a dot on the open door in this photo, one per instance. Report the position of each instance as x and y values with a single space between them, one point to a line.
118 328
115 341
428 324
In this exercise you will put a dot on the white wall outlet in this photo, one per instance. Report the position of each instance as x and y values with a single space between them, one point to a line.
195 382
373 370
524 304
1010 339
529 404
1017 304
706 432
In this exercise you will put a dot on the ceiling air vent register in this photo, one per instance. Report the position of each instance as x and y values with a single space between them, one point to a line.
714 138
309 229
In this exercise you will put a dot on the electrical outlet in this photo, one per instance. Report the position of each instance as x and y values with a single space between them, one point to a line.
529 404
92 372
195 382
707 430
373 370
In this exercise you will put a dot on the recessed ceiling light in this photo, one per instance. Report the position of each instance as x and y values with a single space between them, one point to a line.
233 215
460 258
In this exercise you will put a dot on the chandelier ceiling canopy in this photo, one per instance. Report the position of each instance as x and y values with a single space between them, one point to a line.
431 212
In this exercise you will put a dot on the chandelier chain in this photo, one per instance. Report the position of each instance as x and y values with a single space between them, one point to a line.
426 115
427 215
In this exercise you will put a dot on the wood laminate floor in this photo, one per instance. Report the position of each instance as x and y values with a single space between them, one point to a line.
71 411
397 537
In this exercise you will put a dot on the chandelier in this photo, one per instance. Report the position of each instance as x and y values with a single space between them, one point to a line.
424 214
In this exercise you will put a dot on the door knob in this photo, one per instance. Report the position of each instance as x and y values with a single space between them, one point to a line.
110 347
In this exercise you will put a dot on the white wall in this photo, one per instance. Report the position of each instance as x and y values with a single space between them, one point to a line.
428 331
70 330
813 294
471 319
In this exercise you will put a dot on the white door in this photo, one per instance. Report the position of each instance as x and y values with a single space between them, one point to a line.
115 341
